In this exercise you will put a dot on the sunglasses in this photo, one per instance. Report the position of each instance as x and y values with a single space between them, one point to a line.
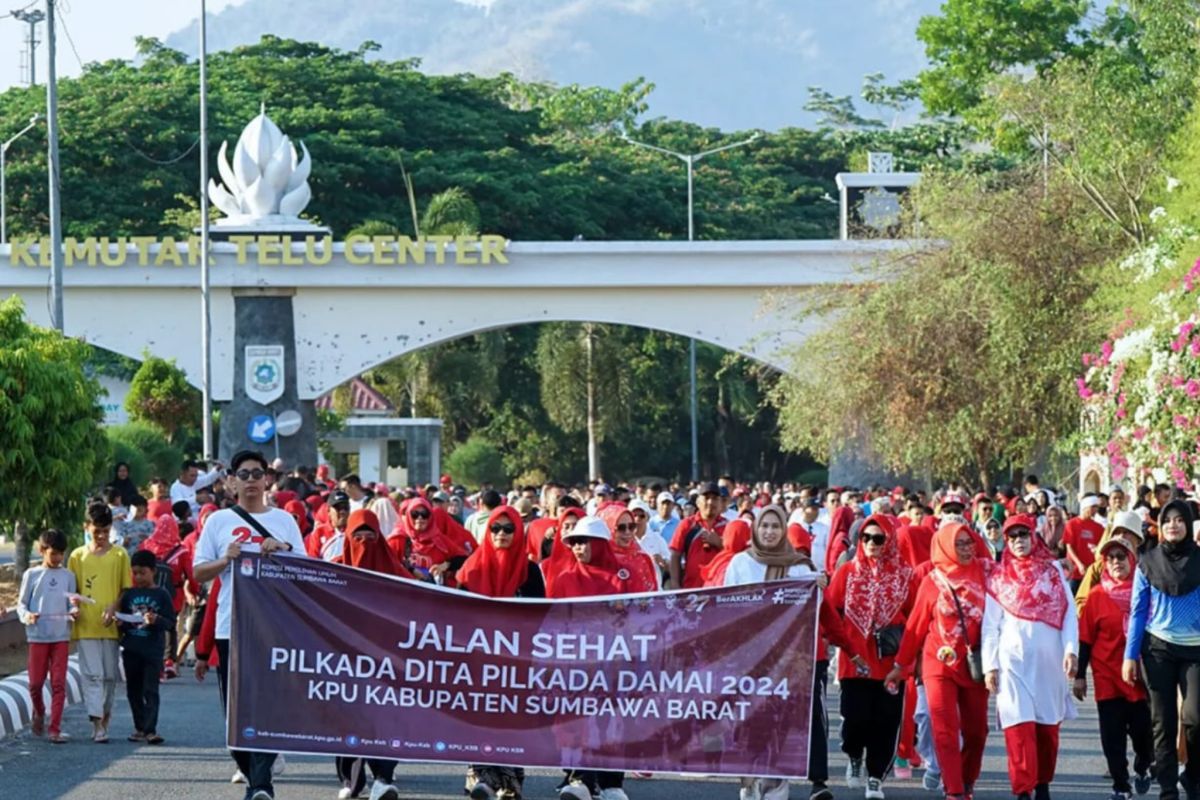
875 538
250 474
571 541
419 515
1018 533
1116 555
498 527
625 527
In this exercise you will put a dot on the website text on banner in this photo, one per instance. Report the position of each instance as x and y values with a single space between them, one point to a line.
329 659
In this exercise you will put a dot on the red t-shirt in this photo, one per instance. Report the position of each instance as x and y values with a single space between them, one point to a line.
1082 536
1102 626
698 553
855 641
156 508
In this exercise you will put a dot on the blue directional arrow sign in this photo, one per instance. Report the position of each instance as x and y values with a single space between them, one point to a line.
261 429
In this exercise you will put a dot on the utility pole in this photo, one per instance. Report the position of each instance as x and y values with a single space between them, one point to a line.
56 255
206 425
31 18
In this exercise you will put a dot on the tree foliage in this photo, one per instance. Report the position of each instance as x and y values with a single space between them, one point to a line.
50 436
476 462
161 395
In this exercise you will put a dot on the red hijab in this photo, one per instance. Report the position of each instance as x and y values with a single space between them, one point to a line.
431 546
165 537
560 556
736 538
1120 592
1029 588
373 553
877 588
966 582
597 577
492 571
190 540
299 512
637 564
839 536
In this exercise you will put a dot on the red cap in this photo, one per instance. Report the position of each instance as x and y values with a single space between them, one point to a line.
955 499
1020 521
446 479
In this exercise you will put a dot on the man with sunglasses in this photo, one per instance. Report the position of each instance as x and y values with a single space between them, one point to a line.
226 535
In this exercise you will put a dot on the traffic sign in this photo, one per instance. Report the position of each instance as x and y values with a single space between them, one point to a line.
288 423
261 429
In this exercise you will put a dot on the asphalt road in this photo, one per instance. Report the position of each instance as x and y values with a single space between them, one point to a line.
193 764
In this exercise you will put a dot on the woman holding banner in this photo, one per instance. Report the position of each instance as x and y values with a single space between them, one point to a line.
874 594
945 629
771 557
367 549
500 568
643 575
593 569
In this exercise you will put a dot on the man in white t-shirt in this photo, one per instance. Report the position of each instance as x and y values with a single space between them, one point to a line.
806 519
652 543
226 535
192 480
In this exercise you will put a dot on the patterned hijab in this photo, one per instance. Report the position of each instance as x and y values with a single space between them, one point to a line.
1029 588
877 588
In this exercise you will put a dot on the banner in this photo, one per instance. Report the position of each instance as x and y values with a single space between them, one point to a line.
329 659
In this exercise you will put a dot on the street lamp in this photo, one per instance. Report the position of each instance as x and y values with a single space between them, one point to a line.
33 121
690 159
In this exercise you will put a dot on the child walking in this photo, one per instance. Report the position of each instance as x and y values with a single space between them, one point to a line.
101 573
142 644
47 609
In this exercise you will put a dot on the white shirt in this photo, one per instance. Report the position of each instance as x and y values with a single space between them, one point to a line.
819 532
1029 656
744 569
656 547
334 547
188 493
224 527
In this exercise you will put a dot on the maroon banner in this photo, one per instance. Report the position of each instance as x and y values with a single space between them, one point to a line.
333 660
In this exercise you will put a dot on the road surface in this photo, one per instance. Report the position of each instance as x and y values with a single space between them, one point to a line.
193 765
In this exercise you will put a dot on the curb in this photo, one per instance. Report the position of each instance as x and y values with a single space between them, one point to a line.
16 706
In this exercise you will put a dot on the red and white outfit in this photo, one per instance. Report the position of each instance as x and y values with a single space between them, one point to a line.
957 704
1029 627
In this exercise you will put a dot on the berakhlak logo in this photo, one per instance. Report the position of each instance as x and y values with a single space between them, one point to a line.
440 747
487 748
352 741
248 567
249 733
397 744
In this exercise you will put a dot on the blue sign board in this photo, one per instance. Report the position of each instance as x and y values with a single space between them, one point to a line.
261 429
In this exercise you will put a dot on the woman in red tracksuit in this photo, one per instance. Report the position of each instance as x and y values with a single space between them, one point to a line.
873 592
944 637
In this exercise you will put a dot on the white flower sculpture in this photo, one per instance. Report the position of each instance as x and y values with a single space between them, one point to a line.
267 182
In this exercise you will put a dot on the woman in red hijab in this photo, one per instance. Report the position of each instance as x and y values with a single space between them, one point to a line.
944 629
556 555
874 594
636 562
500 568
432 554
366 548
736 538
299 512
839 537
594 571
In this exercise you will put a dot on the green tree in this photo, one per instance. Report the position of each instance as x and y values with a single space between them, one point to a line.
477 461
161 395
51 442
153 455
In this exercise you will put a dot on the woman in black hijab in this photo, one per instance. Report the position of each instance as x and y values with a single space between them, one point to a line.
1164 630
124 484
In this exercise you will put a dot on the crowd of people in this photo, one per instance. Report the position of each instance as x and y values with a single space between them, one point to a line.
933 603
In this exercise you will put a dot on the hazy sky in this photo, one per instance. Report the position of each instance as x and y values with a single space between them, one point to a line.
101 29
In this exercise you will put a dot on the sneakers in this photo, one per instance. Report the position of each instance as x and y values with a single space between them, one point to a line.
820 792
931 781
279 766
481 791
1141 783
874 789
345 793
775 790
169 670
902 770
262 794
613 794
751 792
58 738
575 790
854 774
37 725
238 777
382 790
1119 796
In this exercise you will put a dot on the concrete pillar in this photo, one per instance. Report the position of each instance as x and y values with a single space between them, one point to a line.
435 454
372 460
264 316
420 468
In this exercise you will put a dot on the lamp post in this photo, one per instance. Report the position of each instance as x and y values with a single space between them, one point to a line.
33 121
53 172
690 160
205 289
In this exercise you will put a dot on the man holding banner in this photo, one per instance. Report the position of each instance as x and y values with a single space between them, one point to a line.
249 527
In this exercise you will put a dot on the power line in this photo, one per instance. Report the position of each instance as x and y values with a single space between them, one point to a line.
70 41
168 161
16 11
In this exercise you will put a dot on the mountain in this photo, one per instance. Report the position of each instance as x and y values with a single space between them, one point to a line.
733 64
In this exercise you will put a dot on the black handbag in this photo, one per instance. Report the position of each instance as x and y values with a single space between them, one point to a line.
887 640
974 656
